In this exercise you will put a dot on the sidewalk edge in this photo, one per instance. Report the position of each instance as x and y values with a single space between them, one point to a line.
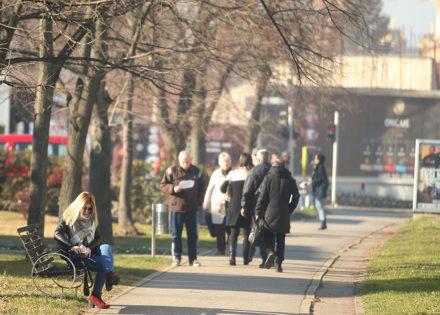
310 295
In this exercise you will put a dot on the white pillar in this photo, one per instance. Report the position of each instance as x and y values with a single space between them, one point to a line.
335 159
5 106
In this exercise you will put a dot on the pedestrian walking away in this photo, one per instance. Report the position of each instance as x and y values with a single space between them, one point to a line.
78 233
183 183
277 199
319 182
250 191
216 201
235 220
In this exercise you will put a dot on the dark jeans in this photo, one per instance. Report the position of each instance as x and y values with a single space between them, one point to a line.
233 239
221 237
178 219
101 261
270 238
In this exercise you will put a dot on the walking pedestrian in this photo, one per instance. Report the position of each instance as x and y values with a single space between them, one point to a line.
250 191
277 199
233 187
78 233
215 200
319 182
184 184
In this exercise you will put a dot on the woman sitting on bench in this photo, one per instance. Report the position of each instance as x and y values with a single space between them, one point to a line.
78 233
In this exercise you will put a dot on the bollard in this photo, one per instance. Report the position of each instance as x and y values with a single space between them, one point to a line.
160 223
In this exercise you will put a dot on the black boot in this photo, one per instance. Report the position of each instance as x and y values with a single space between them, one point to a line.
278 263
270 260
232 260
323 225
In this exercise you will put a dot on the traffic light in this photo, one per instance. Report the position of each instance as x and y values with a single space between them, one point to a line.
331 132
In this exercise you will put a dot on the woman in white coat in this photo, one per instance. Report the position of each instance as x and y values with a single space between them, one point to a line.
214 200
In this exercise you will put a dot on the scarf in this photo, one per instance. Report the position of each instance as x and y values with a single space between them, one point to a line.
82 231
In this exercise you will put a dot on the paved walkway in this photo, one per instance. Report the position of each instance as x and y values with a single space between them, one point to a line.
217 288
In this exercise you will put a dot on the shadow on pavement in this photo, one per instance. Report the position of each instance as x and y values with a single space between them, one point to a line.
166 310
240 283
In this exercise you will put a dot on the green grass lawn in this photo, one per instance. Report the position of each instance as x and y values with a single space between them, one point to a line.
139 244
404 275
18 294
307 213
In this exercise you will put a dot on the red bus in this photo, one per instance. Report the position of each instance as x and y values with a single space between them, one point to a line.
15 142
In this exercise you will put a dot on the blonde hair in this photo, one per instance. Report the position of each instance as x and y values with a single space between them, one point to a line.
73 211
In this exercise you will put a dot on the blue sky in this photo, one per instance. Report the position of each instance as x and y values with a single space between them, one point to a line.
415 15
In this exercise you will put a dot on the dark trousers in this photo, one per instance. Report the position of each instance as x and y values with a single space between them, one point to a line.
178 219
221 237
233 239
270 237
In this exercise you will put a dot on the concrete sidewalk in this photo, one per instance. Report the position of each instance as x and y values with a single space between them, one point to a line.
217 288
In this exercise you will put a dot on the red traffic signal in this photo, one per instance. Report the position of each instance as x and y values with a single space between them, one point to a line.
331 132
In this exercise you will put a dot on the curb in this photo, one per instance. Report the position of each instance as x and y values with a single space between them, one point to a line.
357 208
308 301
141 282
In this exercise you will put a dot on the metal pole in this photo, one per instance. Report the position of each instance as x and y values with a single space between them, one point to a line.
153 232
290 146
335 159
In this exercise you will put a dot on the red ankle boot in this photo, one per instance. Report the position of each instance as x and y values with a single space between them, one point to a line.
111 280
96 301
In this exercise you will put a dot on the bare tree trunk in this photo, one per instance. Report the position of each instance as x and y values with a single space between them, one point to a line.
254 123
101 147
8 33
125 219
80 112
198 144
48 76
100 163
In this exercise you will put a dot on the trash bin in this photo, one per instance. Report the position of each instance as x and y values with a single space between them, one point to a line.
161 218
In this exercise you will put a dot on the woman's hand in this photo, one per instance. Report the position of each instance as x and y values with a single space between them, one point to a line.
243 212
76 249
87 251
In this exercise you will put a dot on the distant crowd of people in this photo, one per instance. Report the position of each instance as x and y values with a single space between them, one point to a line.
260 190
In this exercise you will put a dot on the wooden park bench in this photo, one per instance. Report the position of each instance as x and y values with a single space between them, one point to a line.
54 272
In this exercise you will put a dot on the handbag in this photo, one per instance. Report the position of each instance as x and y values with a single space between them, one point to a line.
211 228
224 206
256 235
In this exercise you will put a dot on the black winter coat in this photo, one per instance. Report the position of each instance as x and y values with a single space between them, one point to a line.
233 186
62 233
250 189
319 181
278 198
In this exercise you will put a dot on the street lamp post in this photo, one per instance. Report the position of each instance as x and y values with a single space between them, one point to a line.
290 146
335 158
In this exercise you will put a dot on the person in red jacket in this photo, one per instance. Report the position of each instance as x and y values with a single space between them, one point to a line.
184 184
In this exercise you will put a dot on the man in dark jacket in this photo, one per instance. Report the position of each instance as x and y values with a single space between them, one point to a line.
184 184
250 190
278 198
319 184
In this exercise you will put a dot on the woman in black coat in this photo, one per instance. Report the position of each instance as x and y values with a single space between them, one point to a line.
235 220
319 184
277 200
